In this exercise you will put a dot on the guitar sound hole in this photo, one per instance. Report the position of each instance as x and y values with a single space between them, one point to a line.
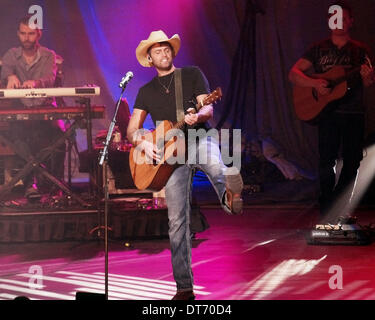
315 94
154 161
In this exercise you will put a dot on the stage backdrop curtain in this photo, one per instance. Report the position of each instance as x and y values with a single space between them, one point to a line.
249 55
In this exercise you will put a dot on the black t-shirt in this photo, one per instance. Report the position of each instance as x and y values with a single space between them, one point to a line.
152 97
325 55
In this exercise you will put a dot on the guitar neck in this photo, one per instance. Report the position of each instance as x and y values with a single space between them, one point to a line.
348 75
180 124
211 98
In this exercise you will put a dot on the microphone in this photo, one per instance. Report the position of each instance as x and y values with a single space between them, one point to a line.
125 80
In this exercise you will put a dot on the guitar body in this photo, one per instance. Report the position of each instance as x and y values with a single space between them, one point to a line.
154 176
308 103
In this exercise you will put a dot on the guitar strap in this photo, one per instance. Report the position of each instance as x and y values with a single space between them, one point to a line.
178 93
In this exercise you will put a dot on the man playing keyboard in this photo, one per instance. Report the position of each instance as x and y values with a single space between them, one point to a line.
32 66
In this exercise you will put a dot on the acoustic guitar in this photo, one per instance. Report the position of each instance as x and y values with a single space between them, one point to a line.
308 103
154 176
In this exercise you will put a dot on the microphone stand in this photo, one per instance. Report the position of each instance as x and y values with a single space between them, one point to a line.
103 162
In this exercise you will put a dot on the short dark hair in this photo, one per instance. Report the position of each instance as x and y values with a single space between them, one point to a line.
25 20
344 5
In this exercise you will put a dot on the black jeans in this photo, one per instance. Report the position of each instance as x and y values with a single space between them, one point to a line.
340 136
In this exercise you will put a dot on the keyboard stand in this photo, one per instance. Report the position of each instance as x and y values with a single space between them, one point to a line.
36 163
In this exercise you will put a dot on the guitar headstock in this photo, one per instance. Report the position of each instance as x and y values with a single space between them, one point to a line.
213 97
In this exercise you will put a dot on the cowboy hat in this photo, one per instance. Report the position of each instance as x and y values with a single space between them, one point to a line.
155 37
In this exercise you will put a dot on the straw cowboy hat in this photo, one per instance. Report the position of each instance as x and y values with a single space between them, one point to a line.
155 37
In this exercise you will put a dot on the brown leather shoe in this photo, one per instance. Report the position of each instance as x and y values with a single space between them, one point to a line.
184 295
234 186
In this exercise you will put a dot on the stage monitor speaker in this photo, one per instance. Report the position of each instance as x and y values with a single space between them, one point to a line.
118 162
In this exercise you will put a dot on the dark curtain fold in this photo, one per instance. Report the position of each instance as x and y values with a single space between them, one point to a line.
277 36
239 106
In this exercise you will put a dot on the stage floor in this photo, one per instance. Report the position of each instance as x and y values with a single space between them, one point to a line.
261 255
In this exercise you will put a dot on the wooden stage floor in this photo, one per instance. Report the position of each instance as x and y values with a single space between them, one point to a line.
261 255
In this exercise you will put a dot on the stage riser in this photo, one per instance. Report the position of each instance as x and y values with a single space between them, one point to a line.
46 228
77 226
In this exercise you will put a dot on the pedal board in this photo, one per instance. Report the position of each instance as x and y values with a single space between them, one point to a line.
338 234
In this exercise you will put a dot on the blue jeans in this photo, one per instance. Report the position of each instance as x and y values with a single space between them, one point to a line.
178 192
